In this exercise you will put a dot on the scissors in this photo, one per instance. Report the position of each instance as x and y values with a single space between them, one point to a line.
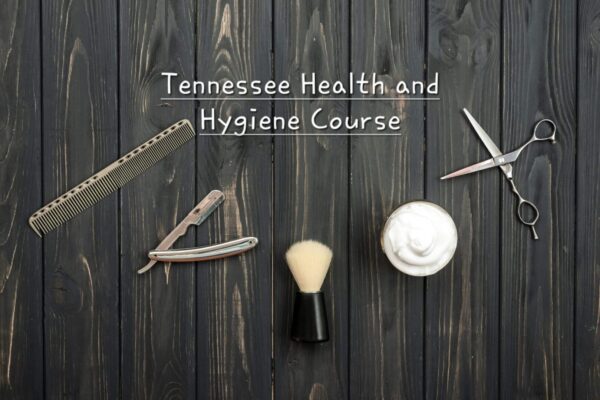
526 211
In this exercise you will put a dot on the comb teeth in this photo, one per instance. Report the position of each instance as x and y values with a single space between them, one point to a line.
111 178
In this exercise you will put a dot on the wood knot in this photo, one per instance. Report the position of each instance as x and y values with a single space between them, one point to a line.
66 296
159 112
448 41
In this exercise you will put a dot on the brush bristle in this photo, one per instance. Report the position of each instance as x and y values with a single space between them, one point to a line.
309 262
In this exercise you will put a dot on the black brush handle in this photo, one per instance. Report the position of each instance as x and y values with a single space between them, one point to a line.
309 323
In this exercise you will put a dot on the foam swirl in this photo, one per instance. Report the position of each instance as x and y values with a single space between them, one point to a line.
419 238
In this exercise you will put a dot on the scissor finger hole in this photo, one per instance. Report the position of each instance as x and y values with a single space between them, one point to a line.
528 213
545 130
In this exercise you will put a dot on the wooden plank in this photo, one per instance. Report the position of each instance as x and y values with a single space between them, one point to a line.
461 345
234 294
79 42
386 309
536 327
587 255
21 329
311 196
158 308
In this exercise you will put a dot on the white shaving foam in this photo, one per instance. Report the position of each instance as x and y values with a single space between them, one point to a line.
419 238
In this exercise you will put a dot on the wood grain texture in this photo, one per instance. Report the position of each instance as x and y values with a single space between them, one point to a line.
311 196
536 325
158 308
587 259
234 294
461 337
79 42
386 309
509 318
21 318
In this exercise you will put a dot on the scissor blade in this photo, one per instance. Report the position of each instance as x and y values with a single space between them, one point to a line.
471 168
487 142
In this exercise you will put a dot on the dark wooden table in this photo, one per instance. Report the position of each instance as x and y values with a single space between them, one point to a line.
509 318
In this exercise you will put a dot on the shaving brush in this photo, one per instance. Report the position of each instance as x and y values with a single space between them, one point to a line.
309 262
